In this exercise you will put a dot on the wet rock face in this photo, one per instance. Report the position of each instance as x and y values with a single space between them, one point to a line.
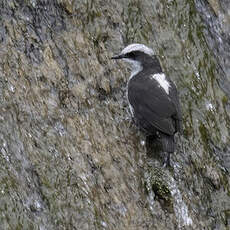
216 16
70 156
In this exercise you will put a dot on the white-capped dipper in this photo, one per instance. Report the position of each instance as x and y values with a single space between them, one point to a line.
152 97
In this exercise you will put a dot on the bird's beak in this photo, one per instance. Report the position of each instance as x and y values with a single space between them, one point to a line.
118 57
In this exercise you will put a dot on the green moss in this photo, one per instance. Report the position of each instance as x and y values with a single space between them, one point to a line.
224 100
92 11
132 16
224 182
190 36
200 33
226 216
157 181
204 135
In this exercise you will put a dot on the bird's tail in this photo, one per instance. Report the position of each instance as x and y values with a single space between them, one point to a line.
163 145
161 142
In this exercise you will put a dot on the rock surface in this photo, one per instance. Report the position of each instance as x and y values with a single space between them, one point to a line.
70 156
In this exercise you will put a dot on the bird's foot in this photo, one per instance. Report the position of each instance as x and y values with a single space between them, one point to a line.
166 160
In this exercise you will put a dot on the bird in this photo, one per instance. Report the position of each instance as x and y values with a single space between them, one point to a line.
152 97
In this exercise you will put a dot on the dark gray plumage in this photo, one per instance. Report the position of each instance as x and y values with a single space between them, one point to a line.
152 97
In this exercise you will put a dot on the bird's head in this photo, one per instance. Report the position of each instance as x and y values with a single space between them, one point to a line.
136 54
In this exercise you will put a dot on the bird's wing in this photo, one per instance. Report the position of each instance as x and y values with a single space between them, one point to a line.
152 104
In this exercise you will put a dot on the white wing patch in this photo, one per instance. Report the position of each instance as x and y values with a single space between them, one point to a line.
161 79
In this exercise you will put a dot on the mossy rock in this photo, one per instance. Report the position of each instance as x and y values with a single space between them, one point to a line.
156 180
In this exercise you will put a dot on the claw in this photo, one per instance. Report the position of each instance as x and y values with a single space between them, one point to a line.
166 161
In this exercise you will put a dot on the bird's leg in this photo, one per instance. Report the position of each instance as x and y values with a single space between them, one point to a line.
166 161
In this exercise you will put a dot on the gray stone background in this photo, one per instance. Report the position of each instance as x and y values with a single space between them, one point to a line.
70 156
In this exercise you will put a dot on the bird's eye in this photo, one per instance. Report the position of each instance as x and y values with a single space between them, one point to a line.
131 55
